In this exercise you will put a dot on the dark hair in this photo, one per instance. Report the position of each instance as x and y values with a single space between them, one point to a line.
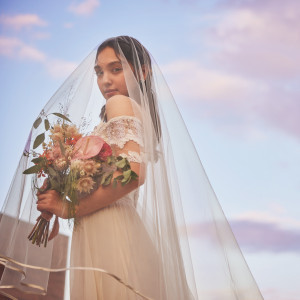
127 44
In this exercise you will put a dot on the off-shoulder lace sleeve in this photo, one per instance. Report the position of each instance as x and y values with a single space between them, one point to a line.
120 130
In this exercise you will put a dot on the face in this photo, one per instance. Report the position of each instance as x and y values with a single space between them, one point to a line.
110 76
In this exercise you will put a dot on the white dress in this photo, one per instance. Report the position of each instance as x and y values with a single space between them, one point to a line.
115 238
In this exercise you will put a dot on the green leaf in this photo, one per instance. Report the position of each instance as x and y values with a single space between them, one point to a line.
47 124
127 174
51 171
37 122
62 116
102 179
32 170
108 179
39 139
134 176
37 160
120 177
54 184
121 163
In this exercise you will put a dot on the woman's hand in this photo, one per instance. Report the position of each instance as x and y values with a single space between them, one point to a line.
50 201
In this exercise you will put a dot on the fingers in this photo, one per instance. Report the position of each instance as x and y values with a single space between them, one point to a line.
41 206
46 194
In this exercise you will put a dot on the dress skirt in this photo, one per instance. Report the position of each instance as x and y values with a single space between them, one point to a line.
115 239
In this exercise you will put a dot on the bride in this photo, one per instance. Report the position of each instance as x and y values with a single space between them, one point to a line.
131 241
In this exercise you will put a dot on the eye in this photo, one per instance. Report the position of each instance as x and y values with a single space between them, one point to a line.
117 70
98 73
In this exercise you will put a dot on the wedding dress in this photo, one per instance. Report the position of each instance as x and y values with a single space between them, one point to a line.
94 241
166 240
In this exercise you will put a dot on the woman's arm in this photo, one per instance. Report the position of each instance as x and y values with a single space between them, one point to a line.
103 196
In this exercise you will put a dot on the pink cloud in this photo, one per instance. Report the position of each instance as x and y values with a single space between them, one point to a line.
15 48
258 38
60 68
250 81
21 21
256 235
223 94
85 7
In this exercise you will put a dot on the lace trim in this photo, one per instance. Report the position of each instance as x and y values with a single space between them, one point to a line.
119 130
132 156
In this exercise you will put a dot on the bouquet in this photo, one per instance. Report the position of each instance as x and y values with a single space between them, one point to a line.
73 165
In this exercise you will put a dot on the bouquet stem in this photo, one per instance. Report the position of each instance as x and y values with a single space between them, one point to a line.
39 233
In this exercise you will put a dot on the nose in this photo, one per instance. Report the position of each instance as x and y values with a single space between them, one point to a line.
106 79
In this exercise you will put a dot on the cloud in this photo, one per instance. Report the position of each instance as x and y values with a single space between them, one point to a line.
68 25
259 38
40 35
254 236
205 84
60 68
84 8
259 41
259 232
16 49
21 21
250 80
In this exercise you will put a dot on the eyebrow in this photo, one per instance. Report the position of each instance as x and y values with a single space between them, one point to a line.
96 67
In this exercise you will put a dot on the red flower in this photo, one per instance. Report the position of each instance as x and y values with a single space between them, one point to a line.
105 152
71 141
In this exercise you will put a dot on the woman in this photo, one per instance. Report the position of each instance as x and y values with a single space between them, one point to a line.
131 241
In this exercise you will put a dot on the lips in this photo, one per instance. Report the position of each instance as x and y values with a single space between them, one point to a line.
110 92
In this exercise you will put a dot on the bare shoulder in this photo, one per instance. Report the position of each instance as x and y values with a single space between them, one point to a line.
119 106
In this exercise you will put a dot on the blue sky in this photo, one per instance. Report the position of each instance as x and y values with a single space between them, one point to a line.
233 67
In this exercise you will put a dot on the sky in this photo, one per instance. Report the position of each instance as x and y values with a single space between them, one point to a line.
233 67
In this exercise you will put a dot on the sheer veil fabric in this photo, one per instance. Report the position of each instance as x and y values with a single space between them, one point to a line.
141 246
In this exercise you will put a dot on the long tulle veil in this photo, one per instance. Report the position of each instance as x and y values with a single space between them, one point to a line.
175 199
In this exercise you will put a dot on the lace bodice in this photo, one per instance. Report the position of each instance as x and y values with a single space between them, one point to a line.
118 131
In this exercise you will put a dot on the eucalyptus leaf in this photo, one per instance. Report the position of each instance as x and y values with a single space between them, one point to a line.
54 184
37 160
62 116
47 124
39 140
52 172
32 170
37 122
